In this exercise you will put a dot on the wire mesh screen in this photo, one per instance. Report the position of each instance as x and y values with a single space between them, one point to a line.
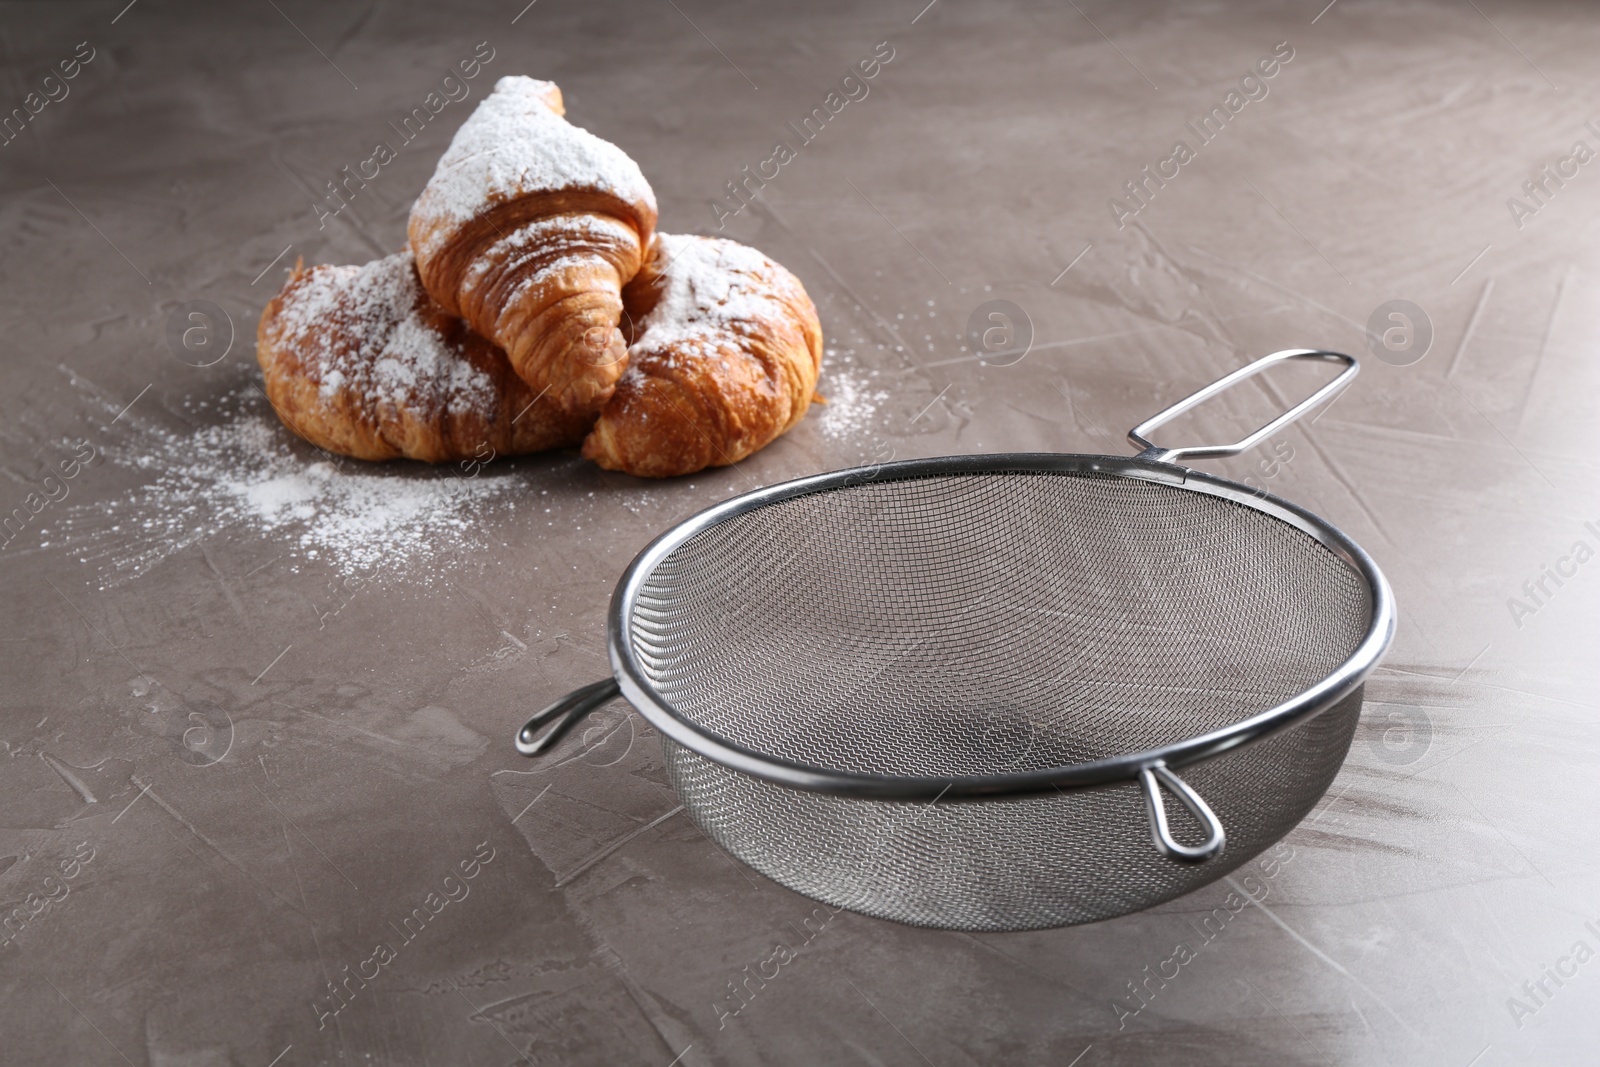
991 622
1023 864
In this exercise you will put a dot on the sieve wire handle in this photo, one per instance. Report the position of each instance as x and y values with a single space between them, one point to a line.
1139 435
1153 778
569 709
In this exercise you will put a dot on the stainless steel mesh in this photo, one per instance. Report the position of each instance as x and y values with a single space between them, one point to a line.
1022 864
993 622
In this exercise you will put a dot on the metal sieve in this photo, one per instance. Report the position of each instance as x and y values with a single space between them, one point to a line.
952 691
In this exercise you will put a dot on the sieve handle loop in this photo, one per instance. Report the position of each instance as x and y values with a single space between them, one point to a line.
1153 778
569 709
1139 435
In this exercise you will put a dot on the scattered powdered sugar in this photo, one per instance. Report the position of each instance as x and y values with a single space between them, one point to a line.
708 283
549 244
853 404
515 144
361 331
249 474
576 230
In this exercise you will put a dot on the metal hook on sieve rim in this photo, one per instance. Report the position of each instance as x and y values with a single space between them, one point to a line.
1153 778
1152 451
569 709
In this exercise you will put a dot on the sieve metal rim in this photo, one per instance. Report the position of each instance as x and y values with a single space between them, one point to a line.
1152 769
633 681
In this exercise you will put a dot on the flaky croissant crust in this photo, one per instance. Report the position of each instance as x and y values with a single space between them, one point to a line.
725 358
528 229
362 362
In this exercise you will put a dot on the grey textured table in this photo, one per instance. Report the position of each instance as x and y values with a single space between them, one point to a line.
258 711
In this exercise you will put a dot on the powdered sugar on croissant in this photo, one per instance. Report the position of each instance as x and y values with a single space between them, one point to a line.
725 356
361 361
528 229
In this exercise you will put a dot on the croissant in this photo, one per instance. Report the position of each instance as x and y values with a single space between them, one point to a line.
725 354
362 362
528 229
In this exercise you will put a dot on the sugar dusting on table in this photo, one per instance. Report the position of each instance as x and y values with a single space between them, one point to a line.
247 473
854 403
